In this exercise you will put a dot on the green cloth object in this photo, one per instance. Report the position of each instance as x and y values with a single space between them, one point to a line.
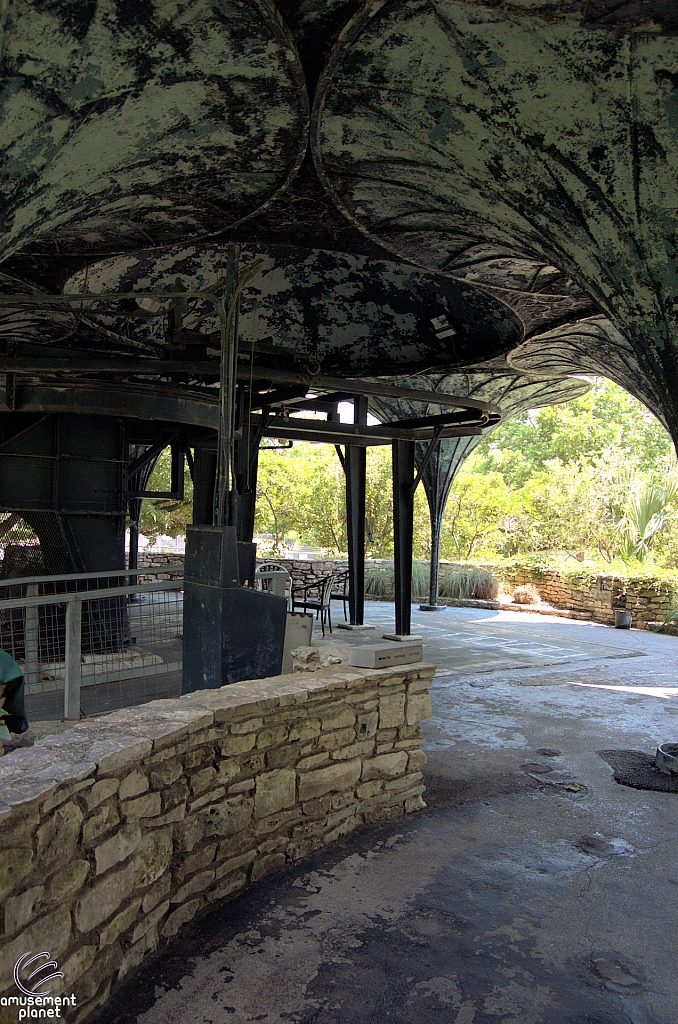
10 675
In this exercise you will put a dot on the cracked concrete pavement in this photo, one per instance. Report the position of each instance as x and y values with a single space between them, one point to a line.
532 890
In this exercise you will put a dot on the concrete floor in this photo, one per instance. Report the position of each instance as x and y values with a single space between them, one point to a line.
522 895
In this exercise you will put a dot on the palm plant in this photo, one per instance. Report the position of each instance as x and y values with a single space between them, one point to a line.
644 515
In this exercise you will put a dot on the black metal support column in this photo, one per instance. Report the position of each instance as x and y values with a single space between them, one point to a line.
134 518
436 494
246 464
436 522
204 477
247 501
137 481
356 468
403 529
246 470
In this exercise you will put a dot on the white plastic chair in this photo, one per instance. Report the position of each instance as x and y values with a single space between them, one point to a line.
274 578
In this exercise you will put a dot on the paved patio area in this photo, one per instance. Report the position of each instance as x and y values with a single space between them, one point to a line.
532 890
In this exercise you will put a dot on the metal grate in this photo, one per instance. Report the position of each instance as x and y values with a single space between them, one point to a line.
20 551
91 643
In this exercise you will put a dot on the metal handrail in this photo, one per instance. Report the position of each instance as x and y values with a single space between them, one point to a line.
74 600
144 571
90 595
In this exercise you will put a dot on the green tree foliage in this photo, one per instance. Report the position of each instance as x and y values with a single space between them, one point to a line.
592 478
587 478
301 495
645 514
605 421
162 515
379 508
478 513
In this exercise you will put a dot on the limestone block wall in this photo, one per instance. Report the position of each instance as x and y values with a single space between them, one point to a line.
596 597
591 597
303 572
117 832
153 561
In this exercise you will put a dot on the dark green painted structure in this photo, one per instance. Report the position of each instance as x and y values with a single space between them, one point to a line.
479 193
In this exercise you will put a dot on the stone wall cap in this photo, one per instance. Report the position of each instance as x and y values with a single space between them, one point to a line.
112 754
163 712
41 771
107 744
26 791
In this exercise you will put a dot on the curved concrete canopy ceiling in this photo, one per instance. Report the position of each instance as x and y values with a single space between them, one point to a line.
542 296
512 392
496 132
353 314
129 124
42 325
592 345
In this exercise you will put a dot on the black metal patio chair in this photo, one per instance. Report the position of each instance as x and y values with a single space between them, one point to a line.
340 591
320 604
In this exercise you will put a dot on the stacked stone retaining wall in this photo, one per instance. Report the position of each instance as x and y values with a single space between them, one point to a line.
304 573
157 561
585 596
597 597
116 833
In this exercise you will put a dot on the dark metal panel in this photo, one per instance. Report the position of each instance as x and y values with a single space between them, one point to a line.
96 543
230 632
204 479
231 635
403 529
355 469
80 467
247 562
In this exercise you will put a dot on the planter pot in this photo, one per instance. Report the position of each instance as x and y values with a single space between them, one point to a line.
666 758
622 618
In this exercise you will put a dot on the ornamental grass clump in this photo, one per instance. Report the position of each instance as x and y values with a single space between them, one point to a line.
380 580
464 582
461 582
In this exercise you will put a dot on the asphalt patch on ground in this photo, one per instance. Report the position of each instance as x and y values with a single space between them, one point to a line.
445 789
636 769
442 791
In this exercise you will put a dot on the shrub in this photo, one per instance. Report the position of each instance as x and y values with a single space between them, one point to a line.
526 594
670 623
378 581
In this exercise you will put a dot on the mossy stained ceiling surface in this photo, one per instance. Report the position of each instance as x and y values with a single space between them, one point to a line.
132 123
353 314
591 345
453 131
44 325
512 392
